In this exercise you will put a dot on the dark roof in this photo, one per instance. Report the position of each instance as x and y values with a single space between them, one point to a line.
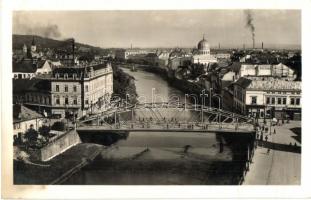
22 113
69 70
78 70
23 85
27 65
235 67
243 82
151 55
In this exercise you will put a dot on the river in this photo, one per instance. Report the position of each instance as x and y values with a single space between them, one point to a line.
161 158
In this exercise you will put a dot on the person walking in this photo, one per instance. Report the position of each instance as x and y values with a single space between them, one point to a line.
266 138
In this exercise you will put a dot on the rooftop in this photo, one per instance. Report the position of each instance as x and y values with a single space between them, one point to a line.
270 83
27 65
22 113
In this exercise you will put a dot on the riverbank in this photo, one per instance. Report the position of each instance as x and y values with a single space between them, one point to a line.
185 86
124 85
59 168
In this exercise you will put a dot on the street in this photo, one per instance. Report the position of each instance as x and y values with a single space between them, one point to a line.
282 165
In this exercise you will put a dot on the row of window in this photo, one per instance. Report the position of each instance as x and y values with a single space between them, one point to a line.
282 100
37 99
284 92
74 89
57 88
66 101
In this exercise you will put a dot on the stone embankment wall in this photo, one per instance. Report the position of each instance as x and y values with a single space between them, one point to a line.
59 145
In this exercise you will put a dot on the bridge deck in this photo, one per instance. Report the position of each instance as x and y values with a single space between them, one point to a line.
101 129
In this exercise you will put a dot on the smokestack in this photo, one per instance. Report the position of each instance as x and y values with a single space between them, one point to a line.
218 45
250 25
243 46
131 46
261 45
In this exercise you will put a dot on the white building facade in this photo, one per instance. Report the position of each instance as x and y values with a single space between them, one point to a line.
268 98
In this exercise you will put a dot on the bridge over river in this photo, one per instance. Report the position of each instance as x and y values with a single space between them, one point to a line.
167 117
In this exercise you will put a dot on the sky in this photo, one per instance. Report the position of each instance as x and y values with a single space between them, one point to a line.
175 28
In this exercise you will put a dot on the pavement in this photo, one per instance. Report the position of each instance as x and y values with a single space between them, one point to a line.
281 165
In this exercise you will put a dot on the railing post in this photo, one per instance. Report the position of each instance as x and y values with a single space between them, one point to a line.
202 116
115 119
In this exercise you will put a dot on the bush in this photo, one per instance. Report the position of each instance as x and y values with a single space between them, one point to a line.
44 131
31 135
59 126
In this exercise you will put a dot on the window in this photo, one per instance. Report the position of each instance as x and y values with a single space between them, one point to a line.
279 101
66 100
57 101
57 88
284 101
298 101
254 100
66 88
74 88
86 101
268 100
272 100
75 102
292 101
86 88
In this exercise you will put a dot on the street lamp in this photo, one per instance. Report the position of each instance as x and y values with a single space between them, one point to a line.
220 105
219 120
210 97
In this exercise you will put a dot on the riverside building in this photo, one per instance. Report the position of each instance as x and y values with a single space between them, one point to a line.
70 91
267 97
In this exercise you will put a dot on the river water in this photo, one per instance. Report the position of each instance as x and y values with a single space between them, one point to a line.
164 158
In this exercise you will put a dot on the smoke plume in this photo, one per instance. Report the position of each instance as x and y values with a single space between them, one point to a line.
26 27
249 24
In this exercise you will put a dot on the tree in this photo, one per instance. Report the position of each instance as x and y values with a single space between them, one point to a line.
31 134
58 126
44 131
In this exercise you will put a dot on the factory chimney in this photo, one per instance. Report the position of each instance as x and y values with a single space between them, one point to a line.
244 47
261 45
253 43
218 45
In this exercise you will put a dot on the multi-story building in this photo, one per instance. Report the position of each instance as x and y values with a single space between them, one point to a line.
267 97
125 54
70 91
279 70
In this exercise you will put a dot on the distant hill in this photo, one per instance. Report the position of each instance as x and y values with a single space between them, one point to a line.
41 42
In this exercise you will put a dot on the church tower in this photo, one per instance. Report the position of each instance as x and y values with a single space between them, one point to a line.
33 45
24 49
